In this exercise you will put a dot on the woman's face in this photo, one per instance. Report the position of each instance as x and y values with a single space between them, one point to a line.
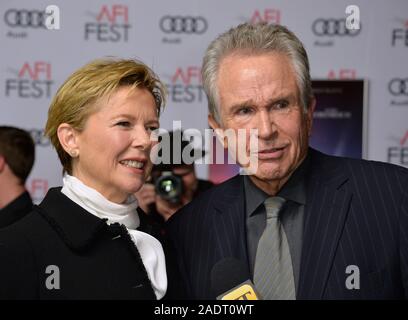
114 147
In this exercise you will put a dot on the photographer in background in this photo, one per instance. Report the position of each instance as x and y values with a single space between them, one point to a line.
17 151
171 186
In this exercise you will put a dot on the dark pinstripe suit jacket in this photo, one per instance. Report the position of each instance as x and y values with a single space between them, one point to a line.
356 214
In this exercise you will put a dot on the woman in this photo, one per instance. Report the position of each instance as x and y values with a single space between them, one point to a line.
83 241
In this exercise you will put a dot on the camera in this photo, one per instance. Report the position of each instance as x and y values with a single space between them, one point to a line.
169 187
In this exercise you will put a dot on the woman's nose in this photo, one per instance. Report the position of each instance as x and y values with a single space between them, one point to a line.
141 138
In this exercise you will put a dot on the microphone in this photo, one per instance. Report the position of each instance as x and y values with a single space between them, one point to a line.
229 281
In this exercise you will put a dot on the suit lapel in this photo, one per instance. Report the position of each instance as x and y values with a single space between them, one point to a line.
229 222
325 214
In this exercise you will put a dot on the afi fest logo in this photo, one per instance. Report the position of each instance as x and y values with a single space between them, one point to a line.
342 74
186 85
31 80
112 24
399 36
268 15
37 187
21 20
398 154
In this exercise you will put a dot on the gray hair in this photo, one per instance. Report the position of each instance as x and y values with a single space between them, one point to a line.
253 39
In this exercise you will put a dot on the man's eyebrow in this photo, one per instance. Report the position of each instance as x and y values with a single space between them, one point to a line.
288 97
241 105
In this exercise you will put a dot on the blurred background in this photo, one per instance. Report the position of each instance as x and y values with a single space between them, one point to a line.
362 110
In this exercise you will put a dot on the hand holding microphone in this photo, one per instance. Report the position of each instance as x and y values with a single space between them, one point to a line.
229 281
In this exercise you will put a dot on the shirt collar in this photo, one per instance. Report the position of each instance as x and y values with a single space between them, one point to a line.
293 190
95 203
254 196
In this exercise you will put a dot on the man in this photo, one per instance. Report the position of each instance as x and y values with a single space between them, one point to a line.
160 208
16 161
305 225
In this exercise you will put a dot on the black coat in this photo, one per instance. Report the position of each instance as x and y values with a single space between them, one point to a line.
94 260
15 210
356 213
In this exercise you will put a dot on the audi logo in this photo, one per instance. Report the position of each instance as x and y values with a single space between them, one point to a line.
333 27
398 87
25 18
179 24
39 138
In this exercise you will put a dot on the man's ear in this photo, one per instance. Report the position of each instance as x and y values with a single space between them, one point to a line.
68 138
217 127
310 112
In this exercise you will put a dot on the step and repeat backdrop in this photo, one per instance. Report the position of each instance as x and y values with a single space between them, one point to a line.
171 37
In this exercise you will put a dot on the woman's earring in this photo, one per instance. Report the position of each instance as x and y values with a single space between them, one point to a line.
74 153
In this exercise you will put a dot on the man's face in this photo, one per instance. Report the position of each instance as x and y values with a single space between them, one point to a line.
260 92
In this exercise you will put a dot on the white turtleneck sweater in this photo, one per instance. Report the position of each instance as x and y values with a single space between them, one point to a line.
149 247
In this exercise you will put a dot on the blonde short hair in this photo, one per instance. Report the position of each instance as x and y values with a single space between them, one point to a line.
74 100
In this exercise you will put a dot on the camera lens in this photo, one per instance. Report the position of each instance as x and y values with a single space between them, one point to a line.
169 187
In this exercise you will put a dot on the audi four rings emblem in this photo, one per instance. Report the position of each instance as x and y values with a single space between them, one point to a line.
332 27
39 137
25 18
398 87
179 24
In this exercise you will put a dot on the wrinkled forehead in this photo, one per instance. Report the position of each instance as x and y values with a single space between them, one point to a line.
255 78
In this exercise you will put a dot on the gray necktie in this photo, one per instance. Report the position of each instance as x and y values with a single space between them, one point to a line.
273 275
